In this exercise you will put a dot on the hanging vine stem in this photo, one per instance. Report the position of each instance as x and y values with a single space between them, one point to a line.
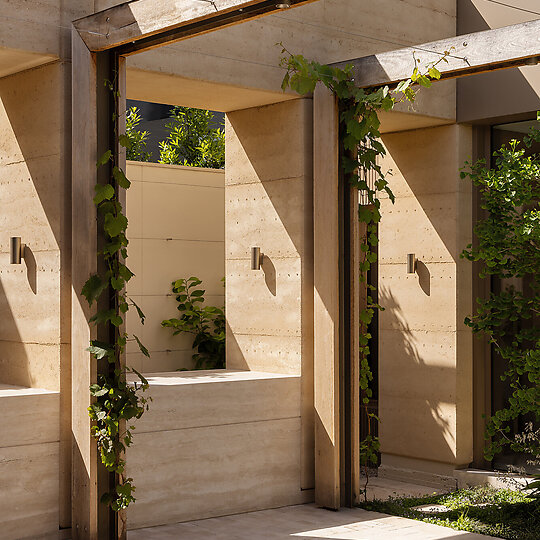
115 402
360 150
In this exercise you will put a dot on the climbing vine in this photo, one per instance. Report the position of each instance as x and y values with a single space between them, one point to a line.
116 402
360 152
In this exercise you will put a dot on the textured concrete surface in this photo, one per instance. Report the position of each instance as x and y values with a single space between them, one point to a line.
425 350
305 521
29 460
221 442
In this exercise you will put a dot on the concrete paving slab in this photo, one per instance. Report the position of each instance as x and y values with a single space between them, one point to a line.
304 522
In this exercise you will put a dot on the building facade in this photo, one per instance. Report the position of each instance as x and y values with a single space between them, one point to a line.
434 380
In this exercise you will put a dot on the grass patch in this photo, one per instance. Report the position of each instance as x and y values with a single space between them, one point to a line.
496 512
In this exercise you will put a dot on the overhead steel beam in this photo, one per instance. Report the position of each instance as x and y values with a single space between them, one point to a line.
469 54
141 25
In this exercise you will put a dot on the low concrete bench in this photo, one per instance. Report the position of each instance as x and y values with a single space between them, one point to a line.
29 462
215 443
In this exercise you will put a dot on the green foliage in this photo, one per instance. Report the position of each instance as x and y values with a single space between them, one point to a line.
509 248
136 140
192 141
360 150
483 510
206 323
115 402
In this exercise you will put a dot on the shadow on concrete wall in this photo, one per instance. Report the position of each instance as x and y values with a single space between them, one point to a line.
35 160
414 388
11 346
424 277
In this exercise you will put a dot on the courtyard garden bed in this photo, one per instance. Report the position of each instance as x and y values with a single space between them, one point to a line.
502 513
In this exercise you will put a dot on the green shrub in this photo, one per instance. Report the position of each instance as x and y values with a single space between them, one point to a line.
136 149
206 323
192 141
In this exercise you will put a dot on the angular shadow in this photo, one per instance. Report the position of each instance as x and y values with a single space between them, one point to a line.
269 274
31 268
413 413
424 277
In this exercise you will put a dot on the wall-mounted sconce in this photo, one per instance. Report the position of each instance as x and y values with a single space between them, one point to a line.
284 4
16 250
411 263
256 258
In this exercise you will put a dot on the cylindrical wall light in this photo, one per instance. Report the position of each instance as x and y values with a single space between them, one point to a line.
256 258
16 250
411 263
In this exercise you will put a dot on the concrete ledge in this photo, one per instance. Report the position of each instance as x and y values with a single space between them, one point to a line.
423 478
500 480
29 462
216 443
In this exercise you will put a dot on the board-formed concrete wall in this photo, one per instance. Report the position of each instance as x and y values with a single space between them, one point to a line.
176 230
29 463
35 198
425 349
269 204
222 442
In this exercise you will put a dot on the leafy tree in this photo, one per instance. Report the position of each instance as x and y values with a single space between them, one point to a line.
136 148
206 323
509 247
192 141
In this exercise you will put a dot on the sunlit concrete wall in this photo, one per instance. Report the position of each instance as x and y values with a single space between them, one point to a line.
269 204
35 202
425 349
176 230
35 199
222 442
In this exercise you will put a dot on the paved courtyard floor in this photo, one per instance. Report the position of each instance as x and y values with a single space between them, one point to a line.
303 522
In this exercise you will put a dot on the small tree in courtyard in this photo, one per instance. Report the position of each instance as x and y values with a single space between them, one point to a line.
509 248
136 149
192 140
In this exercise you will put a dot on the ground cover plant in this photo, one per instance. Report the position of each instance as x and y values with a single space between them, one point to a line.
502 513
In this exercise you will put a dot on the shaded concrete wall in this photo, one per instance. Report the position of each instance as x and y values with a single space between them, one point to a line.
501 94
425 350
243 60
176 230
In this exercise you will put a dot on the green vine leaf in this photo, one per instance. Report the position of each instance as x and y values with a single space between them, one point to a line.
93 288
105 158
103 193
142 348
125 141
121 178
100 349
142 316
115 225
109 315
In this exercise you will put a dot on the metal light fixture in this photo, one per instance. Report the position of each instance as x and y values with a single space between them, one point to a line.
411 263
284 4
535 60
16 250
256 258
